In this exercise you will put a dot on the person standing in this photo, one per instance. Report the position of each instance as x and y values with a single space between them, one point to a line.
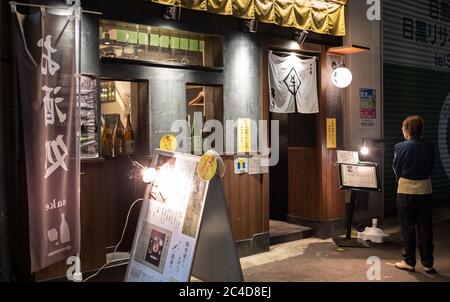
413 165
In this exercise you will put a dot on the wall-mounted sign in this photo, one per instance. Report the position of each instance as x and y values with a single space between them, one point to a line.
258 164
88 116
240 165
167 231
331 133
422 32
243 135
367 107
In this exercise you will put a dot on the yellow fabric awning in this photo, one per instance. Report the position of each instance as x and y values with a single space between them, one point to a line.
320 16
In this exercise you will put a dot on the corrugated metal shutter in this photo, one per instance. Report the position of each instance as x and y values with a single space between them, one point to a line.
412 90
416 81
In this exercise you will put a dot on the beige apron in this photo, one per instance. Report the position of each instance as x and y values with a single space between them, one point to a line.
414 187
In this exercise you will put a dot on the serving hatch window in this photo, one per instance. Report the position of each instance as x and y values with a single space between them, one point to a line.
159 45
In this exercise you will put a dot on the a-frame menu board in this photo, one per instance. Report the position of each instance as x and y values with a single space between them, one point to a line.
176 206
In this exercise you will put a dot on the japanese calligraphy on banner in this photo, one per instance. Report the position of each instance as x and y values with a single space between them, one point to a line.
169 223
46 64
292 84
417 33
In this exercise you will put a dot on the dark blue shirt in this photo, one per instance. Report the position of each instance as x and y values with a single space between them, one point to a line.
413 159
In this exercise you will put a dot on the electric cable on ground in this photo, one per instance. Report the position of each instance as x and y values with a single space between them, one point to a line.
120 241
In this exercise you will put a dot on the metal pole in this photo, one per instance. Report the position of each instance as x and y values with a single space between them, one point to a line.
350 209
77 276
12 3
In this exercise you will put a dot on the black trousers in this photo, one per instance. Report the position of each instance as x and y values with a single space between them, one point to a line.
416 210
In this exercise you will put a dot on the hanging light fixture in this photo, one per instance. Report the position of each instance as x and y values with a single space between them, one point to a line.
341 76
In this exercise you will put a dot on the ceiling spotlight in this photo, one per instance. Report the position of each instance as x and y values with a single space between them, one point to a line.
250 26
172 13
300 37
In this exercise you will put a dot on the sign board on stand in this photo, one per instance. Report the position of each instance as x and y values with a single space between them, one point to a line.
358 177
183 219
355 177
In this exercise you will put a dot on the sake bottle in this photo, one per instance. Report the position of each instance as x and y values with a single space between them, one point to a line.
106 139
129 138
118 138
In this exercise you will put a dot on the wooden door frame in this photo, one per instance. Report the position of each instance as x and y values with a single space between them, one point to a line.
331 205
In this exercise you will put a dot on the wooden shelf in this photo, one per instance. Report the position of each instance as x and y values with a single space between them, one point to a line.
347 50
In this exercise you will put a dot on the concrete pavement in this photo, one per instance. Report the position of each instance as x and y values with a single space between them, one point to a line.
314 260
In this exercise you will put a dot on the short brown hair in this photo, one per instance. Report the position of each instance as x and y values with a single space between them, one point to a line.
413 125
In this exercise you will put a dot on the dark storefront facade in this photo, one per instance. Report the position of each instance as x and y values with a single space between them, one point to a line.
416 82
301 189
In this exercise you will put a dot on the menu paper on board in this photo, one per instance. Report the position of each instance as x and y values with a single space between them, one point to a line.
168 226
347 157
359 176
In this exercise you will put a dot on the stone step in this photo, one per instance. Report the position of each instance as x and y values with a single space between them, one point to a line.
281 232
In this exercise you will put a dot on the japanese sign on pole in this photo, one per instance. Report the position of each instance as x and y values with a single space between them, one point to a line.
46 58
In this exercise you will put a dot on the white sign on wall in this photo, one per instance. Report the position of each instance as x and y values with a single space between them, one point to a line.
420 29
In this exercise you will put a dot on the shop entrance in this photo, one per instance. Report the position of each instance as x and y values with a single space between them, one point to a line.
294 182
124 120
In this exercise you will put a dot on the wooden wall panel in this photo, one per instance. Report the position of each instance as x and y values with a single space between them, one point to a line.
332 199
244 195
303 183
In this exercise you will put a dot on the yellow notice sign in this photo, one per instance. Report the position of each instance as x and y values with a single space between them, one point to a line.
207 166
168 143
331 133
243 135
